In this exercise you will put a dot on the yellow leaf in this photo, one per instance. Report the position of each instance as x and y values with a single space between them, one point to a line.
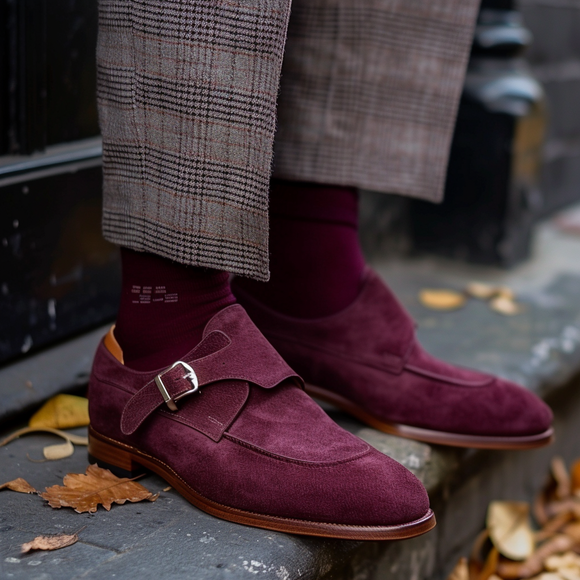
567 560
76 439
481 290
460 572
18 484
442 299
505 292
505 306
58 451
62 412
509 528
50 542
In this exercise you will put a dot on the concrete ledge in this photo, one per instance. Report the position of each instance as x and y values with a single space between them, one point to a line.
28 382
540 348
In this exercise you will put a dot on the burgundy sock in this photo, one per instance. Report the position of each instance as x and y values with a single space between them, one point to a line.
316 262
165 307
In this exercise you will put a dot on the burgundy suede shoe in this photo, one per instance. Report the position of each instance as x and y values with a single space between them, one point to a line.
366 361
231 429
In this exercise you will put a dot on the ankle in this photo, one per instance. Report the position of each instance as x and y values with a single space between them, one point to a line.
316 261
165 307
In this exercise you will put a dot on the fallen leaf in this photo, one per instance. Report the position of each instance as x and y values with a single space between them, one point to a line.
554 525
505 292
509 528
84 492
460 572
561 477
475 563
573 531
168 488
575 476
442 299
535 563
490 565
50 542
481 290
567 560
58 451
505 306
18 484
76 439
62 412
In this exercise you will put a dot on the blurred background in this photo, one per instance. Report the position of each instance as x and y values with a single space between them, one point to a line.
515 160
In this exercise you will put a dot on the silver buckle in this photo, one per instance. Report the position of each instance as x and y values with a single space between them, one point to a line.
190 374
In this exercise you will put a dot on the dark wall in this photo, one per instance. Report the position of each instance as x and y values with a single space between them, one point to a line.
555 59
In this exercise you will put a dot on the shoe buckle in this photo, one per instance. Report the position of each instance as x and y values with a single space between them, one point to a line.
189 374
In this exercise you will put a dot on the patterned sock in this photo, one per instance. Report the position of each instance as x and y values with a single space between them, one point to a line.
165 307
316 262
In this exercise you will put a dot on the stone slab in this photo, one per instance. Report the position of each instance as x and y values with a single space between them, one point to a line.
167 538
28 382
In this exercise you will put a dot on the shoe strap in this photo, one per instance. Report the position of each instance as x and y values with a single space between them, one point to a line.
229 360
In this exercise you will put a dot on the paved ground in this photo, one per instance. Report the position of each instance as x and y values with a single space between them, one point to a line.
171 539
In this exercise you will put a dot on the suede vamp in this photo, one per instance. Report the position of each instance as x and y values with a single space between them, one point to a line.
369 355
279 455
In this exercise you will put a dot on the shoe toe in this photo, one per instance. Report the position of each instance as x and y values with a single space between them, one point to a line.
378 491
520 411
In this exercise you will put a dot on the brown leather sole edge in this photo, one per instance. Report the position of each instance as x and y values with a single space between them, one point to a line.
126 458
429 435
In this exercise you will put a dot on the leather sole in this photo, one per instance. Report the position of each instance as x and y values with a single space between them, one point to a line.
429 435
130 461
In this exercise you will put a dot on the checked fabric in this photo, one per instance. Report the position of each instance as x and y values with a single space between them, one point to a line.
189 95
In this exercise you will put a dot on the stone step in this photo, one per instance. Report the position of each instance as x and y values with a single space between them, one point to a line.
169 539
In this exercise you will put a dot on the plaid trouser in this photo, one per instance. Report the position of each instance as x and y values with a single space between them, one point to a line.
188 93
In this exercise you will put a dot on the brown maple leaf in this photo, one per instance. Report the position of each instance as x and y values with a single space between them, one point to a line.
84 492
50 542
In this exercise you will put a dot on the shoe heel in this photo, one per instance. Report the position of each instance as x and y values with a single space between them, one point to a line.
118 461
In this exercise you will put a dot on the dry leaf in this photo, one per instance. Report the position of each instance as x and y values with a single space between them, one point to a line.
554 525
18 484
76 439
561 477
58 451
505 306
475 563
481 290
50 542
509 528
567 560
573 531
535 563
575 476
62 412
505 292
460 572
490 565
84 492
442 299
